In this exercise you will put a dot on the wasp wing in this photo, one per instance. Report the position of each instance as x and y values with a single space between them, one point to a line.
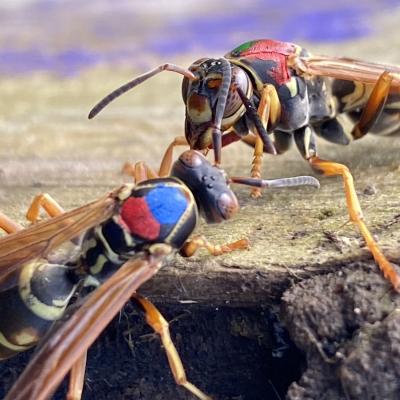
38 240
70 340
346 68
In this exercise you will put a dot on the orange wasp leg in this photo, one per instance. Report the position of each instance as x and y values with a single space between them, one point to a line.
161 327
77 378
374 106
166 163
330 168
8 225
198 242
141 171
50 206
269 112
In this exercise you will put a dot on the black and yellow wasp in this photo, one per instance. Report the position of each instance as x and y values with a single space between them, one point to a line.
126 236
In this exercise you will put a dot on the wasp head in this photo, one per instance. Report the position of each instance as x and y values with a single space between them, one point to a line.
212 100
209 185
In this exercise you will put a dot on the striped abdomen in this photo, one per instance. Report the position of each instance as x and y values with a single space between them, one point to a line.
36 296
353 96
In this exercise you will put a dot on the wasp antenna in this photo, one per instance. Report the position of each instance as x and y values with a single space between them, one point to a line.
223 91
252 113
137 81
220 107
277 183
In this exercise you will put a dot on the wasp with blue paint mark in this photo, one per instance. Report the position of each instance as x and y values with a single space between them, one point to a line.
127 235
269 93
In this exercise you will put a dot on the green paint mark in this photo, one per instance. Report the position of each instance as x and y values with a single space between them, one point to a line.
243 47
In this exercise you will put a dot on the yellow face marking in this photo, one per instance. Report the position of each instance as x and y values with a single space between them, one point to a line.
198 108
214 83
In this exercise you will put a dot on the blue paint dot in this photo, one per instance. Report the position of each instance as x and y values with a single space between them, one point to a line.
167 204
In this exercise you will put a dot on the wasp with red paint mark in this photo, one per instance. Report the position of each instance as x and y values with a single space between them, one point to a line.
270 93
127 236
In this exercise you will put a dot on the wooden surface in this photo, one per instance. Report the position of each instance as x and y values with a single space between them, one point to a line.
48 145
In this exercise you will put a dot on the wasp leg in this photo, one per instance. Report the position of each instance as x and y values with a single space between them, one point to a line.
44 200
229 137
141 171
374 106
269 111
197 242
282 141
166 163
77 378
160 326
8 225
330 168
305 141
256 164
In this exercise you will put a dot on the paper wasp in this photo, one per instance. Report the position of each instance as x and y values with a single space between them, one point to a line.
270 93
127 236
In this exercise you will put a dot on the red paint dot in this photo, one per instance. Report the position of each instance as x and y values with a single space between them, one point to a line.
136 215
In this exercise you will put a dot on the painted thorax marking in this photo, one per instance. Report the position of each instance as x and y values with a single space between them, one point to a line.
153 212
266 63
267 57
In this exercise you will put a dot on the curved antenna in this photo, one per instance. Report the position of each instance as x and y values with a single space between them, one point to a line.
220 107
252 113
277 183
137 81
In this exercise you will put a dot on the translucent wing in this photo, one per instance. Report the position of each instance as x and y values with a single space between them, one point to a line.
71 339
346 68
40 239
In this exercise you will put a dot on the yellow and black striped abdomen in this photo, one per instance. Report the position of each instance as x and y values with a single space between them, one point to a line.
352 98
39 296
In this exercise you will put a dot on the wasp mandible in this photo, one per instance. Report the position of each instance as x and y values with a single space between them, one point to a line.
127 236
270 93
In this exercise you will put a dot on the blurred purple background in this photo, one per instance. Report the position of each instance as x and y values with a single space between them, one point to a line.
67 36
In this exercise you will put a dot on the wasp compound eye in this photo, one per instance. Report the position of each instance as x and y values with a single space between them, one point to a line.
234 108
228 205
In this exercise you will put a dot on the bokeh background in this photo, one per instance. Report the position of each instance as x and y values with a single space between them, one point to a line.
58 58
68 36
